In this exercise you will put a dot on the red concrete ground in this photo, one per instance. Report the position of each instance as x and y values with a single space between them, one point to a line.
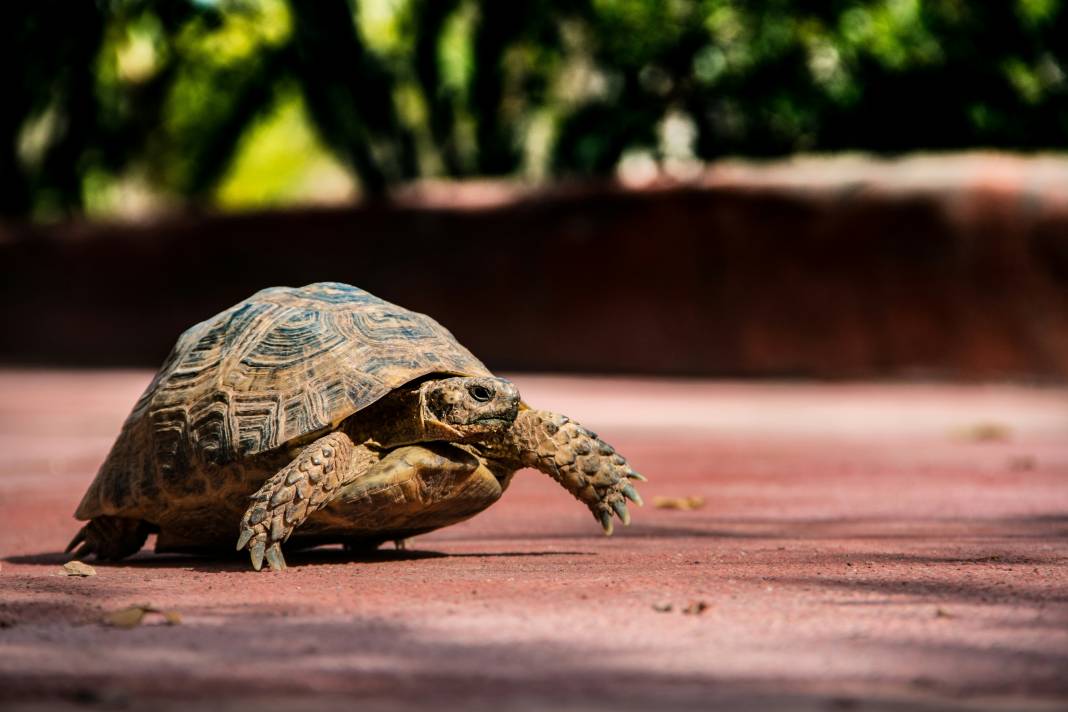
862 547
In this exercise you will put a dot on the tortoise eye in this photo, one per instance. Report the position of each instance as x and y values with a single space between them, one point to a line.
480 393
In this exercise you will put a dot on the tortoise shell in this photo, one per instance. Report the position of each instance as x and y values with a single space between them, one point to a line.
282 365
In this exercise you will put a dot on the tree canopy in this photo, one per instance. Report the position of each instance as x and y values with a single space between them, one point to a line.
169 94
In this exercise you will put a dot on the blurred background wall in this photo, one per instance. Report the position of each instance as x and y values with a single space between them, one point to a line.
608 185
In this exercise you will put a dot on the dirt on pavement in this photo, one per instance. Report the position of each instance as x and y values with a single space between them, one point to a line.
859 547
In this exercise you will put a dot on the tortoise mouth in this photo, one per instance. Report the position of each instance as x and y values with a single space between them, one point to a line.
495 420
502 418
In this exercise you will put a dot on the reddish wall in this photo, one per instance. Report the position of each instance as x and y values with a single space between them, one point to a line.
726 279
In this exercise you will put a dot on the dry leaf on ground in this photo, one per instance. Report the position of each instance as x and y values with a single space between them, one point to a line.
684 503
126 617
986 432
77 568
133 616
695 608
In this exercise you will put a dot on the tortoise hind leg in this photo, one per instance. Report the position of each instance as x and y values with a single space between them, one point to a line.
110 538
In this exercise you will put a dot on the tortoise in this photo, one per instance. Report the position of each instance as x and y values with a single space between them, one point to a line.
325 415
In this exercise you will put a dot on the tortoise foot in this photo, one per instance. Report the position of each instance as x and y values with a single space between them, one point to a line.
109 538
588 467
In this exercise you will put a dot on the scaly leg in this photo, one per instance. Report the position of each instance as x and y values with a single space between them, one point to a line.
110 538
308 483
587 467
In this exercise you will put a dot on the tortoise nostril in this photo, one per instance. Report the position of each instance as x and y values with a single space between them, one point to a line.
480 393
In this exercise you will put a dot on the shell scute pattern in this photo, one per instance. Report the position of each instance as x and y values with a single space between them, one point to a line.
254 417
170 441
283 364
300 338
211 431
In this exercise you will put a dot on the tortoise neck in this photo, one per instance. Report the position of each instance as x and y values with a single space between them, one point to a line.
392 420
397 419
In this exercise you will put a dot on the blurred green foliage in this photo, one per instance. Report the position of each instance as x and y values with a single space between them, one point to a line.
249 102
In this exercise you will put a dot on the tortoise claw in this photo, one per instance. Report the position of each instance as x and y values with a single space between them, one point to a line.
636 476
79 538
632 494
606 523
243 539
83 551
275 559
621 512
256 552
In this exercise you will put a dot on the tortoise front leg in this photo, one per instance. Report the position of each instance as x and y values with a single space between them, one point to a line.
587 467
308 483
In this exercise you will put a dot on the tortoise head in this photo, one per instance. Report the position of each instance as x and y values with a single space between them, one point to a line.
468 408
